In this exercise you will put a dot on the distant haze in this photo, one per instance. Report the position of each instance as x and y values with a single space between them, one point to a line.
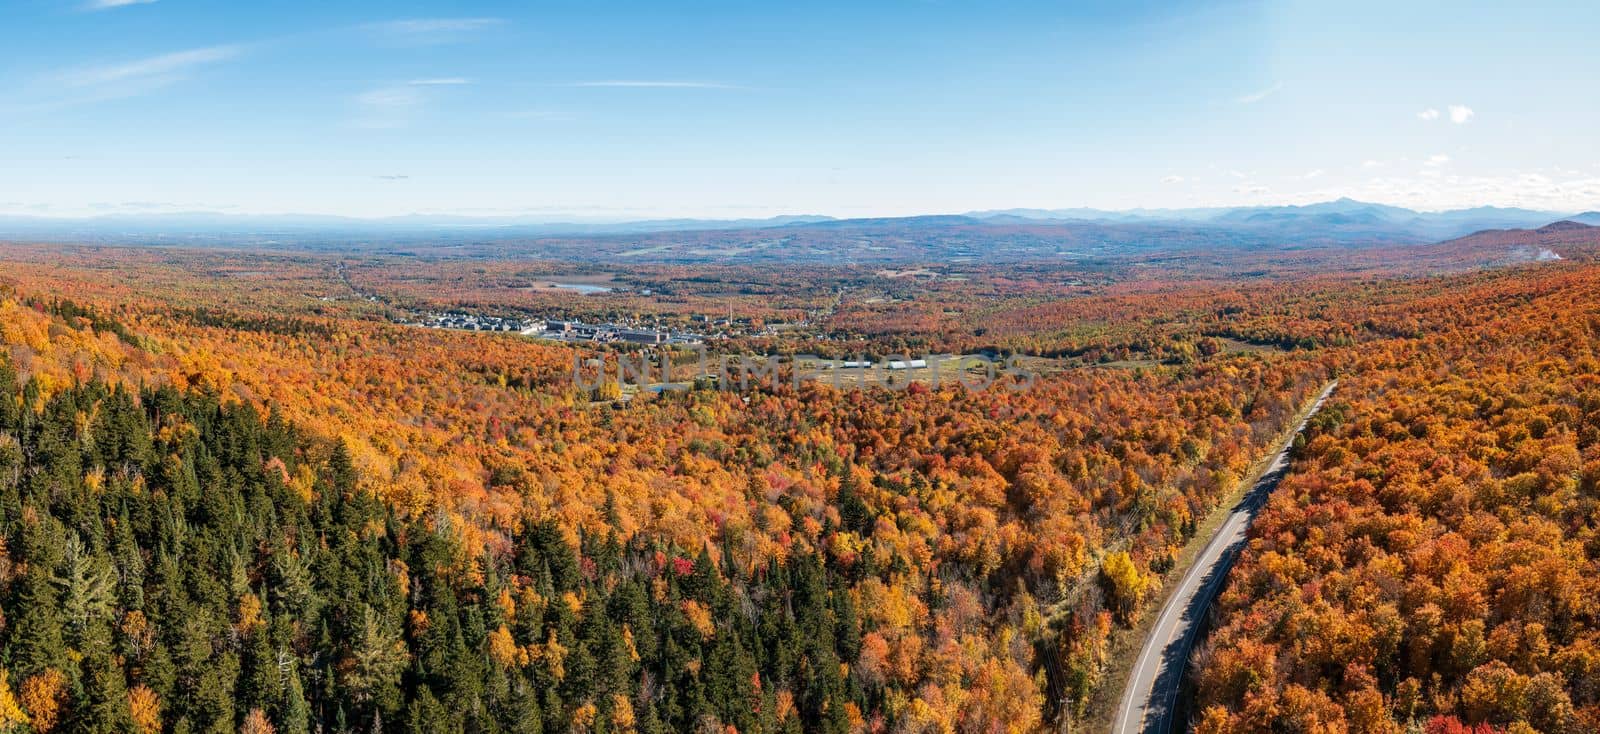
1016 234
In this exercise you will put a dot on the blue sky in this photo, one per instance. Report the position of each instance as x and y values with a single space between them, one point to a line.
732 109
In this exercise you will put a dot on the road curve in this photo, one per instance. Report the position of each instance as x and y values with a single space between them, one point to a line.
1150 697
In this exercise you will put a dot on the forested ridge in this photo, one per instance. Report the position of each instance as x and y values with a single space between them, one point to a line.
1434 564
470 547
161 574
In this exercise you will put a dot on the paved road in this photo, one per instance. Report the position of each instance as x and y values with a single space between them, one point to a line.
1151 694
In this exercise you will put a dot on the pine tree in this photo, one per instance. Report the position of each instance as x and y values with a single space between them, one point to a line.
37 642
853 511
377 658
425 715
341 472
296 714
10 401
105 705
86 585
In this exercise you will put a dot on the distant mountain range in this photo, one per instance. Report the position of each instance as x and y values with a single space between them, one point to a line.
1344 219
1017 233
201 224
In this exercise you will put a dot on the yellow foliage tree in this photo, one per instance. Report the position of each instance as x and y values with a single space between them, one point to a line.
503 649
146 709
249 613
41 696
12 717
622 720
1125 585
256 723
700 617
1215 720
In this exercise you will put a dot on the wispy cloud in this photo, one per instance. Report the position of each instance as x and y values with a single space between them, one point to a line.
1428 115
389 98
1257 96
387 107
109 4
392 177
1173 179
1314 173
1460 114
1436 160
1369 163
655 84
431 30
166 67
395 105
436 25
538 114
96 83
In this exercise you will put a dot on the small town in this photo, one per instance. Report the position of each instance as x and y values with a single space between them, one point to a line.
560 330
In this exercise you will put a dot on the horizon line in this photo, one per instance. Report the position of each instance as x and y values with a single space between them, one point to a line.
588 215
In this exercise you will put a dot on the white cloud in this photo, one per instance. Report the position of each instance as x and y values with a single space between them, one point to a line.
1257 96
654 84
430 31
1436 160
388 107
538 114
389 98
1174 179
89 84
167 67
1460 114
1314 173
108 4
1372 164
435 25
1429 114
396 105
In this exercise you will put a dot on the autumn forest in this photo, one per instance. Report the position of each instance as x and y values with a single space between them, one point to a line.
263 492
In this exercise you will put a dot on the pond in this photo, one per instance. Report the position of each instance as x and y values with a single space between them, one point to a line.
584 288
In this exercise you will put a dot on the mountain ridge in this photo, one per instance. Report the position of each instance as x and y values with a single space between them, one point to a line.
978 234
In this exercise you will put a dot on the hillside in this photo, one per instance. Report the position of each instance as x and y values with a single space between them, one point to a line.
1433 560
389 525
386 526
1564 232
